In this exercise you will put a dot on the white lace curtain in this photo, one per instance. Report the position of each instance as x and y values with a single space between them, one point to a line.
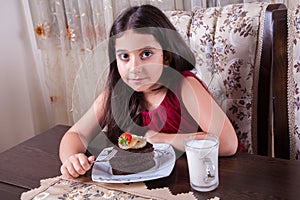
67 33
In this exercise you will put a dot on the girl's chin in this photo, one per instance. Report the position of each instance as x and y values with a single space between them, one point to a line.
141 88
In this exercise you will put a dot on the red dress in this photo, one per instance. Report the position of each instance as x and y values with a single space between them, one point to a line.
171 115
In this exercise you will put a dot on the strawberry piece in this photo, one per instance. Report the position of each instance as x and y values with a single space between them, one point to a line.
125 138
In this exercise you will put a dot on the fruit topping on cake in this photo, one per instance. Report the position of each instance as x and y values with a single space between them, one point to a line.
130 141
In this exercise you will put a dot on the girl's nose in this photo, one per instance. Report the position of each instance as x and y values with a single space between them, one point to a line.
135 62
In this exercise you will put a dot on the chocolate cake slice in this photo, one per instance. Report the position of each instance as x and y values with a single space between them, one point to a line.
130 161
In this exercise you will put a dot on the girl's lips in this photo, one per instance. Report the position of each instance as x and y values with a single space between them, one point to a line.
136 79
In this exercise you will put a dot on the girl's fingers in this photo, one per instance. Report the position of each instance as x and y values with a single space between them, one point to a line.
84 163
91 159
77 164
72 171
65 173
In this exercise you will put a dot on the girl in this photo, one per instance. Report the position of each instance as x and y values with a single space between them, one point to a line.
150 91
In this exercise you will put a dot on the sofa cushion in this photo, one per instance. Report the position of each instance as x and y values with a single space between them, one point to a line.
227 43
181 20
294 81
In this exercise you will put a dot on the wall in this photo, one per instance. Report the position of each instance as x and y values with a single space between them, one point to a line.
23 106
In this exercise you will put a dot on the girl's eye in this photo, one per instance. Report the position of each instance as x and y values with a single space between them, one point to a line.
146 54
124 56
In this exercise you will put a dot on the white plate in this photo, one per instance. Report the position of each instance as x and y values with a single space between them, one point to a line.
164 156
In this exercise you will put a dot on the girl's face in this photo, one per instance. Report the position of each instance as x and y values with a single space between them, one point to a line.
139 60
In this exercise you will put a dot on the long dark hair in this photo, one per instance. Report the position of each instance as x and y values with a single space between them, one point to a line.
123 105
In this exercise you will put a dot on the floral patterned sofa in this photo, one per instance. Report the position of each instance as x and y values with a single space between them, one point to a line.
233 59
292 136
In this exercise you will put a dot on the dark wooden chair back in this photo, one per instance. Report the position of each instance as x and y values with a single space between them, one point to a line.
273 139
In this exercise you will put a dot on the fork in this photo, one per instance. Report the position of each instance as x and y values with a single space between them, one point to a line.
106 155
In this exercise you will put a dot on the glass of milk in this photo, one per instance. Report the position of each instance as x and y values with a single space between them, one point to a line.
202 156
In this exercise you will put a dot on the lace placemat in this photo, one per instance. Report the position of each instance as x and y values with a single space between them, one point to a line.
85 188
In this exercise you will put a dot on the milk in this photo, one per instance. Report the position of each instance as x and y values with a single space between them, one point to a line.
202 157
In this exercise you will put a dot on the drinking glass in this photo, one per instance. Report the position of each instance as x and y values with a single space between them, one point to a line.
202 156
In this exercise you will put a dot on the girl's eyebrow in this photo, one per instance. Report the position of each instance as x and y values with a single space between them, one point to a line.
144 48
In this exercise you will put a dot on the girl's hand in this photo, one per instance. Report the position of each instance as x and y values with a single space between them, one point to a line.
76 165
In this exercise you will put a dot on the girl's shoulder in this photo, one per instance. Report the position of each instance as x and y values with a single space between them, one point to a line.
190 74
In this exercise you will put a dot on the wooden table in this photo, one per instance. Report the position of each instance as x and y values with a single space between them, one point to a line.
242 176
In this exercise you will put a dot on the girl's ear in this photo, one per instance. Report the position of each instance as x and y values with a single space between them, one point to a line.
167 58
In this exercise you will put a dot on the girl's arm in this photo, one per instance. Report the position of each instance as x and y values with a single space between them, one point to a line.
75 141
210 117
